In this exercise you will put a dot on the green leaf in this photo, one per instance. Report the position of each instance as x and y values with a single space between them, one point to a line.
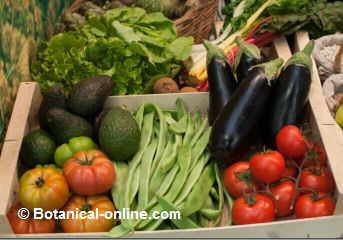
126 33
181 47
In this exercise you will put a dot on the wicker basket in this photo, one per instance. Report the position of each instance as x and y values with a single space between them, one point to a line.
197 22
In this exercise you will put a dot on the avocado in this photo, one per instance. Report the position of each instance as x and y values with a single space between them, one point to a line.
37 148
53 97
64 125
88 96
119 134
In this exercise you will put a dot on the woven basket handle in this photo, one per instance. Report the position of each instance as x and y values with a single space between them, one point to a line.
338 60
75 5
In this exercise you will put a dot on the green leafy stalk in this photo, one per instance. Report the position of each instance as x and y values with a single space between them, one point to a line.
214 51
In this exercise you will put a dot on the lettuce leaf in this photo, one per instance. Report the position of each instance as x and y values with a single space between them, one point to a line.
126 43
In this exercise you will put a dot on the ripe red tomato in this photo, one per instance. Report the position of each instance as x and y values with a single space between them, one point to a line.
308 206
268 166
291 143
30 225
318 179
316 155
284 193
253 209
238 180
290 172
89 172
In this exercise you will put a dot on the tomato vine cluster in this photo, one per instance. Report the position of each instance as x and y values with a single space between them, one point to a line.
295 179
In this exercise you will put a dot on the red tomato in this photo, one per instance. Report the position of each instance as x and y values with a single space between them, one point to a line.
316 155
291 143
253 209
267 167
290 172
30 225
308 206
318 179
238 180
89 172
284 193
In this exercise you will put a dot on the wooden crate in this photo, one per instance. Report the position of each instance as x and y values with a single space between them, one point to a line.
24 118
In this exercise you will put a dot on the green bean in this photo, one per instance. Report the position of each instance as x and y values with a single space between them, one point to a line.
181 108
190 130
135 184
119 231
139 116
118 188
184 158
214 193
229 204
184 222
161 138
196 199
169 119
197 120
168 180
204 222
211 214
220 190
145 140
143 195
200 131
165 186
144 223
180 126
200 147
158 175
169 161
193 178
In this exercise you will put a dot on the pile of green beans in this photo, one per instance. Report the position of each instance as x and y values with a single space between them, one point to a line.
171 171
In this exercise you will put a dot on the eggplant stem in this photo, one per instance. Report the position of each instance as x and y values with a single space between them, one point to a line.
303 57
271 68
249 49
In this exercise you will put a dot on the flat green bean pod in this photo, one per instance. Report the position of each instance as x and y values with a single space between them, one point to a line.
196 199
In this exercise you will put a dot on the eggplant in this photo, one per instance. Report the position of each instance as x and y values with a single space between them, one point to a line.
243 112
221 80
290 93
248 56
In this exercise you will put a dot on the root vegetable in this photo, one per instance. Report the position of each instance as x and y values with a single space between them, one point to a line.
166 85
188 89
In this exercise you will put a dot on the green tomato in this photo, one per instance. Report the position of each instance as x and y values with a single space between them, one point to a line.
81 144
62 154
66 151
339 116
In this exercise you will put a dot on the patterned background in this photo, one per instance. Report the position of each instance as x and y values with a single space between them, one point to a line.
23 23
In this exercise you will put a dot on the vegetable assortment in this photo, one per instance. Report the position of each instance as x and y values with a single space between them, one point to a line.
212 169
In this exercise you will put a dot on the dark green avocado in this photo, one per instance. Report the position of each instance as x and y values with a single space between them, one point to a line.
88 96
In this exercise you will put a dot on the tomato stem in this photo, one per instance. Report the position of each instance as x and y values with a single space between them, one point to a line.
86 207
250 198
39 182
245 176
